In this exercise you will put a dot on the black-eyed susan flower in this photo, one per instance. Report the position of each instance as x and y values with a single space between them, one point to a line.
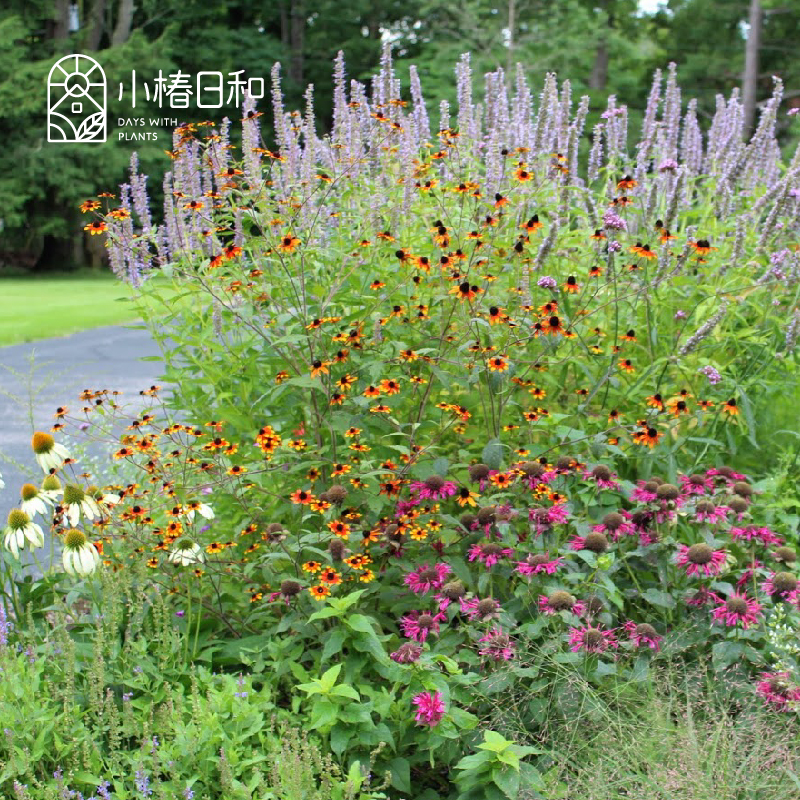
289 244
319 592
571 285
731 408
96 227
497 364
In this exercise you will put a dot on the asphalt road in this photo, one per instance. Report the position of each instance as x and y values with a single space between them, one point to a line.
37 378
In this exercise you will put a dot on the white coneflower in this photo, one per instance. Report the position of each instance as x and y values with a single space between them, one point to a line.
202 509
49 455
18 530
77 502
80 556
34 501
187 552
102 498
52 488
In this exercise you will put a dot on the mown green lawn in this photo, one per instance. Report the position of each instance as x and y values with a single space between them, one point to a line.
34 308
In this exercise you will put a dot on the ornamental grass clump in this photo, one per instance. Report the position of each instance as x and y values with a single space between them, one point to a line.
427 379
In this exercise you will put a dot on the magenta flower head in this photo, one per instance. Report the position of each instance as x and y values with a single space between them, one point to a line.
697 484
643 635
481 610
615 525
489 553
781 585
706 511
430 708
433 488
777 690
701 559
418 625
738 610
591 640
603 477
757 533
560 601
539 564
425 578
497 645
407 653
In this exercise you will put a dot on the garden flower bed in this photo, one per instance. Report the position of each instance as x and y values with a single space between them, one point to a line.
470 416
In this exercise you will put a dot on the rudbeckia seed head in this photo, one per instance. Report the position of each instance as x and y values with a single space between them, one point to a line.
596 542
784 582
336 494
561 601
786 555
28 491
666 491
336 549
73 539
743 489
42 443
700 554
73 494
478 472
17 519
290 588
51 484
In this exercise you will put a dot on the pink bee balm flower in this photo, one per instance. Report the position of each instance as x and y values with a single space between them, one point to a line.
725 475
754 532
781 585
481 610
700 558
614 525
645 491
643 635
425 578
591 640
603 477
407 653
738 609
697 484
418 624
430 708
706 511
777 691
595 541
434 488
489 553
497 645
560 601
538 564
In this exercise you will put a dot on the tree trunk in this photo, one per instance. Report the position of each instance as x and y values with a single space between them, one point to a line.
61 26
750 77
285 38
297 39
96 24
122 30
599 75
512 24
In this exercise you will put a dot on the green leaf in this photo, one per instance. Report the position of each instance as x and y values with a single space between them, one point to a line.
658 598
507 780
492 454
494 741
401 774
